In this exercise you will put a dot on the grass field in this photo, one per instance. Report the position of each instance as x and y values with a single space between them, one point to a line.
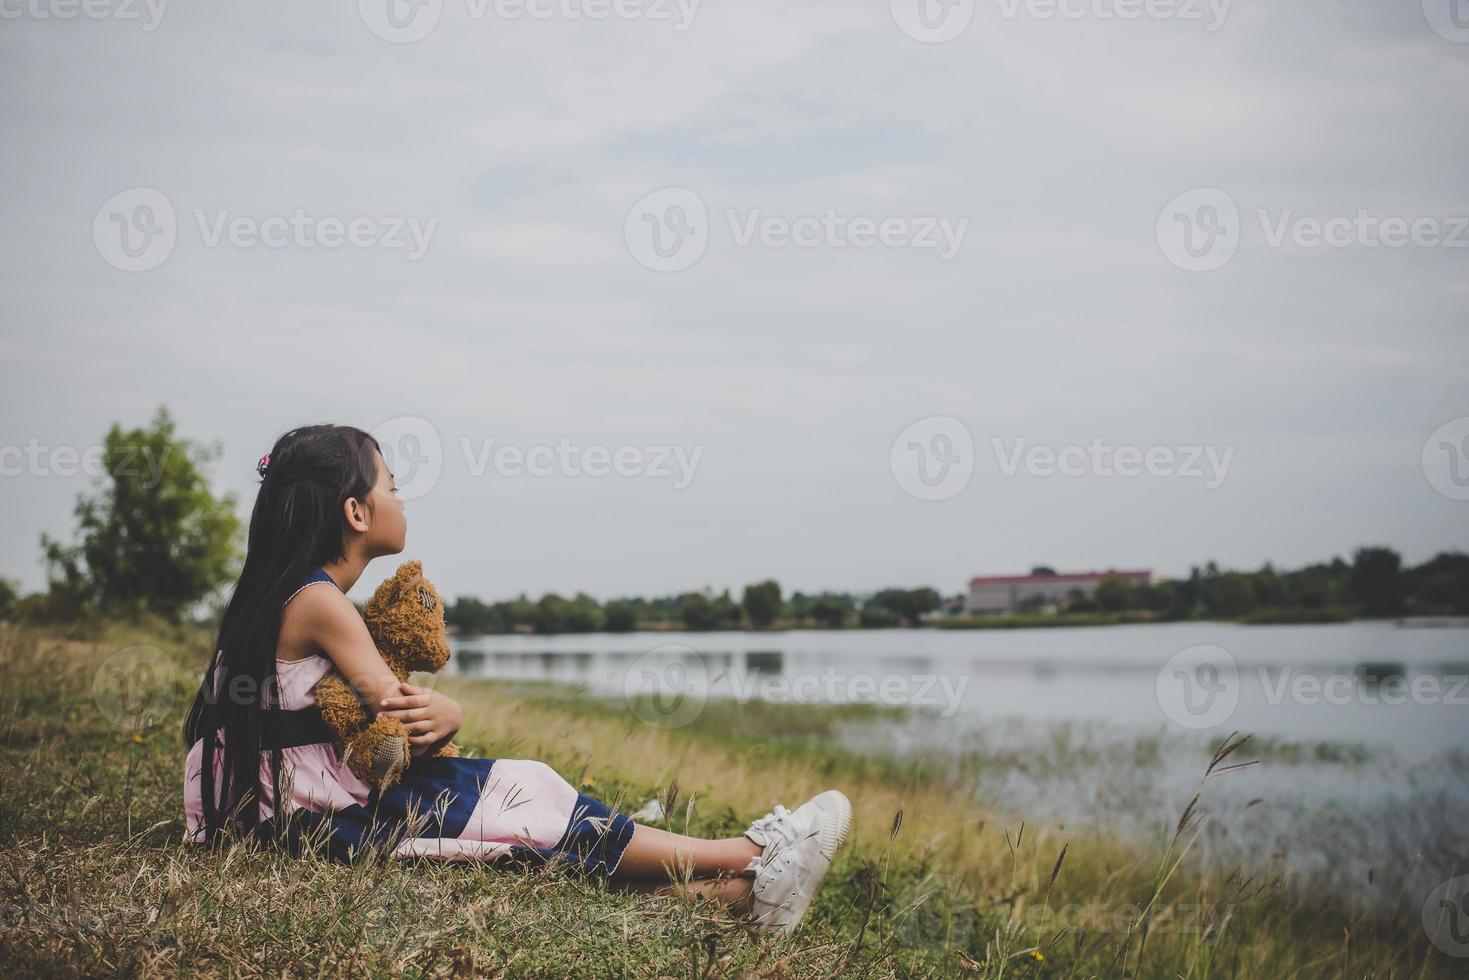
96 879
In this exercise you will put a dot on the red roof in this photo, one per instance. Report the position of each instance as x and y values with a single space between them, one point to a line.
1136 576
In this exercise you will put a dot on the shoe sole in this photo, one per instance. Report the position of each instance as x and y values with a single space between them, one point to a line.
834 828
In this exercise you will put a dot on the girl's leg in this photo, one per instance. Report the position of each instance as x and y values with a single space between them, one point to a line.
733 893
657 855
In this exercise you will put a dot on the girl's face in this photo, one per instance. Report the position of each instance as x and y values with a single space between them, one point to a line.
387 527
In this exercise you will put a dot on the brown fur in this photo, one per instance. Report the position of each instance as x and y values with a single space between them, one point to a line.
406 619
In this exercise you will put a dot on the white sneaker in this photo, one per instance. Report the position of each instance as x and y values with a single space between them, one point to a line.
798 848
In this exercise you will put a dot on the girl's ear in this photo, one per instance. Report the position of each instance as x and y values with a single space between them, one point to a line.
355 513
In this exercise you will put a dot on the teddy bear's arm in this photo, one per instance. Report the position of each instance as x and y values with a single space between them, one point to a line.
340 706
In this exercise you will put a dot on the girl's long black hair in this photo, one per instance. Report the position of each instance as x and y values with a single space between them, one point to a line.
297 523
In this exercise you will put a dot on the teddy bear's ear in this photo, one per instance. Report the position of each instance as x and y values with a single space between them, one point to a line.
407 577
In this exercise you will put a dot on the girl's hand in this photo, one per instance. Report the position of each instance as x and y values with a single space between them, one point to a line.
428 715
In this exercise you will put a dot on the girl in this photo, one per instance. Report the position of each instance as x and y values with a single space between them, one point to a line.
325 508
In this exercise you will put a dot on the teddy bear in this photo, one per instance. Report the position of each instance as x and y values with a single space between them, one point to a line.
405 617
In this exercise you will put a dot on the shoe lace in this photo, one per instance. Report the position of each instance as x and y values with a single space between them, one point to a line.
778 823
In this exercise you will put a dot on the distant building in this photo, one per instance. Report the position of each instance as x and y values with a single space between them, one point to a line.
1004 594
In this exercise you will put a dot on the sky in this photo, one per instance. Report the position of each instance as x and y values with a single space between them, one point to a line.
652 296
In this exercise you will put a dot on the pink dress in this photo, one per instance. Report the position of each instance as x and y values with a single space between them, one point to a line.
453 809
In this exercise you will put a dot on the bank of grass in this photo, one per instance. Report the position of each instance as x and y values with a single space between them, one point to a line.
96 880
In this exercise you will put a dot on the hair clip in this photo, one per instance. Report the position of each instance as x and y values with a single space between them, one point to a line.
261 466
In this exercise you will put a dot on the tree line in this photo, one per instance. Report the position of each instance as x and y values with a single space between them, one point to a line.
761 605
154 538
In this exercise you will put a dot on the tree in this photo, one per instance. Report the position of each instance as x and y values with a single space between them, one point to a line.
619 617
1234 595
1114 594
696 611
583 614
8 596
915 602
1377 581
877 616
761 602
153 536
829 610
550 616
1441 584
723 611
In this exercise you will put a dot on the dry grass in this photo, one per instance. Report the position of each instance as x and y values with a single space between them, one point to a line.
96 881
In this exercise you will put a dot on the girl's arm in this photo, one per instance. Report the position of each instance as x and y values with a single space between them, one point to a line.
334 623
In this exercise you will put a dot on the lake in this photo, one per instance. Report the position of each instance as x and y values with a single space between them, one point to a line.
1360 729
